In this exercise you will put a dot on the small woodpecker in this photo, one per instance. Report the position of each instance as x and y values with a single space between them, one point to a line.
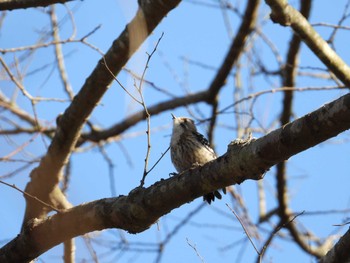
190 148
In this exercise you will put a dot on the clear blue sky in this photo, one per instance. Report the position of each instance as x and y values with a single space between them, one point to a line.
192 32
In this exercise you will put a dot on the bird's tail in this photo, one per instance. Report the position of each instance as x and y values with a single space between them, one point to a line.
211 196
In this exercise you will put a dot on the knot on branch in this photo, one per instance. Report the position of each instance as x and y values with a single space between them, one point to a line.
245 159
135 193
281 15
238 144
30 224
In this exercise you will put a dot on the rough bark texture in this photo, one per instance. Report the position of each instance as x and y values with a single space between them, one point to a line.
340 252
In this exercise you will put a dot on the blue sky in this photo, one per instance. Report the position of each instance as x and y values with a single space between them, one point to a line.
192 32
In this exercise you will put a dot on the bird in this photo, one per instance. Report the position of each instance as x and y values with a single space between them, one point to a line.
189 148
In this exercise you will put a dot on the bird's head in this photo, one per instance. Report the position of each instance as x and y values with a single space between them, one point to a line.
183 124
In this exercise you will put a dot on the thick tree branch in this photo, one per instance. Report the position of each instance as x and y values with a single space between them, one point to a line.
340 252
45 178
18 4
286 15
143 206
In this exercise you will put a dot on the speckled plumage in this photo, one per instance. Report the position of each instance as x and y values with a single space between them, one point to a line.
189 147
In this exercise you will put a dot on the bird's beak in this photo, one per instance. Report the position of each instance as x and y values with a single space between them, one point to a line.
174 117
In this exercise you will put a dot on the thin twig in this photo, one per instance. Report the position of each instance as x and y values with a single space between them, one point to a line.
195 249
331 25
245 230
44 45
160 158
32 197
340 22
14 79
16 171
276 230
90 248
150 83
59 55
19 148
176 229
119 83
148 116
90 33
257 94
110 169
343 224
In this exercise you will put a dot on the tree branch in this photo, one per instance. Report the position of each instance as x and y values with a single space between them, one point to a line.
286 15
18 4
143 206
340 252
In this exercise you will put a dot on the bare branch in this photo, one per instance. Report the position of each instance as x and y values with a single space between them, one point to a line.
31 196
286 15
59 53
278 227
195 250
148 116
245 230
19 4
340 252
69 251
